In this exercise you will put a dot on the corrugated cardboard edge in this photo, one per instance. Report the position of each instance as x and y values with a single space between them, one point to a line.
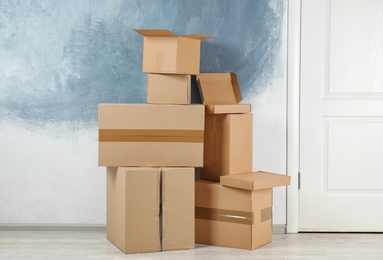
227 109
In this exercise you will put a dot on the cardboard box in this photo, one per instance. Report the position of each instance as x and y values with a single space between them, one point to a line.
168 89
150 209
227 109
228 145
150 135
177 208
165 52
219 88
133 209
233 217
255 180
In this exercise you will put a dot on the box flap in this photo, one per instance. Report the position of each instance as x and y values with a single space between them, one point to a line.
255 180
154 32
219 88
198 36
227 109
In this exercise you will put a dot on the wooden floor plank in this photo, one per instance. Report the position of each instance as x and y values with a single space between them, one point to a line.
94 245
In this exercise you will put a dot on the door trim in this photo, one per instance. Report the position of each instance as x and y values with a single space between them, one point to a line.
293 112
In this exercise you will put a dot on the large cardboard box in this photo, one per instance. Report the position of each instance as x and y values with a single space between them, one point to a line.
228 145
165 52
233 217
219 88
150 209
150 135
133 209
168 89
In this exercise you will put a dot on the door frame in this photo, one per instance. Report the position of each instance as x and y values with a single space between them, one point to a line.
294 12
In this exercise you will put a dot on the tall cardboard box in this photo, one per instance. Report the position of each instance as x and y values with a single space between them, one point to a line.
150 135
236 217
150 209
168 89
177 208
133 209
165 52
228 145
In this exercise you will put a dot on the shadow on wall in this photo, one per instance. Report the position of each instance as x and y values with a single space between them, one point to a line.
100 58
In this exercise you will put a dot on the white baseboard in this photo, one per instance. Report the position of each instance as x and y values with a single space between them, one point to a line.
50 227
277 229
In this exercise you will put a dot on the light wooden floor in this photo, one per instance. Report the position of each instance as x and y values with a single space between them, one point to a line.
93 245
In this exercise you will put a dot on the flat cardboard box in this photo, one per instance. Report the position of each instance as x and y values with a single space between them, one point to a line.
219 88
150 209
168 89
165 52
227 109
228 145
255 180
150 135
232 217
133 209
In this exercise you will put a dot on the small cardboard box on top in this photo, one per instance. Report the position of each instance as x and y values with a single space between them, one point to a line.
165 52
236 217
136 223
168 89
150 135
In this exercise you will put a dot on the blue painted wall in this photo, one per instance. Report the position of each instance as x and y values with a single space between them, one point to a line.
59 59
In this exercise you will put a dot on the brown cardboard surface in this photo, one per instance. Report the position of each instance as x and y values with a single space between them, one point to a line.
165 52
255 180
150 135
230 211
133 199
135 223
168 89
177 208
228 145
219 88
228 109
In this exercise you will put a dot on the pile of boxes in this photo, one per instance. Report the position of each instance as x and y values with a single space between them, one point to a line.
151 152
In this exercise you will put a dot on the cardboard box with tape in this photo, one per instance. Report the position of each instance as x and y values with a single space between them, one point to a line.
237 214
150 209
150 135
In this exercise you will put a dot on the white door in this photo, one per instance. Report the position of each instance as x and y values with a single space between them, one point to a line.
341 131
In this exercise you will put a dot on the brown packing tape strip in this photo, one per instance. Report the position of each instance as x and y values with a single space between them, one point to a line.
224 215
266 214
149 135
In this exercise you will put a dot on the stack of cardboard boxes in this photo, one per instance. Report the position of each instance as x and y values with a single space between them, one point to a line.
233 204
151 152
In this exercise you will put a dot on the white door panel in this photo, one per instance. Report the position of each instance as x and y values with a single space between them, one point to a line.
341 132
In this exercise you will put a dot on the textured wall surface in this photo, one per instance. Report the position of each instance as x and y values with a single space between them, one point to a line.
59 59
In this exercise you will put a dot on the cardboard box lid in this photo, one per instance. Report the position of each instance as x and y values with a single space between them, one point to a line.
227 109
167 33
255 180
219 88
